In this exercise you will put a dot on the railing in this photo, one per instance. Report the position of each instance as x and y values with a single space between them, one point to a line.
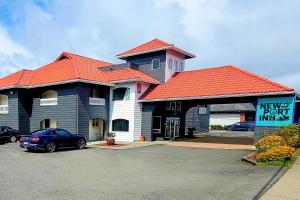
4 109
97 101
48 102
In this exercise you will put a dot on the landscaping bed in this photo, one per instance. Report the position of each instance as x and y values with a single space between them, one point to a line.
281 148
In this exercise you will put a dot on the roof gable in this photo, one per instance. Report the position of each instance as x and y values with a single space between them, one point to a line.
151 46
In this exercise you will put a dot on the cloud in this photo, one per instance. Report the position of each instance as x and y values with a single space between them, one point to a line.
12 55
260 36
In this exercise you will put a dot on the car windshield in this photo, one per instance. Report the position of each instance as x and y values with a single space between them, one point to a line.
41 132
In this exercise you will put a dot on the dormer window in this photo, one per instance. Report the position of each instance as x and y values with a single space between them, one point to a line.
170 64
156 64
176 65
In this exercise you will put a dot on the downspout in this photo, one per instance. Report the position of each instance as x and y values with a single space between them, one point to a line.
77 110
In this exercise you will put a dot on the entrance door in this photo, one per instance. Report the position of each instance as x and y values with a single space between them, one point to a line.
172 127
96 126
156 129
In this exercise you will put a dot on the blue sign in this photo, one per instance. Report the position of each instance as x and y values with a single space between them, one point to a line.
278 111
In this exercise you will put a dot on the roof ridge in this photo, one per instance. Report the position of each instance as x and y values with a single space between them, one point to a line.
155 39
73 54
205 68
260 77
20 77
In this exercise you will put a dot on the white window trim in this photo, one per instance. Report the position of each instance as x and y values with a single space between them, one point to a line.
152 64
49 102
96 101
4 109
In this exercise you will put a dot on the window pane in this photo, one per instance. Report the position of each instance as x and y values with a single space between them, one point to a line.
176 65
120 125
170 63
155 64
121 94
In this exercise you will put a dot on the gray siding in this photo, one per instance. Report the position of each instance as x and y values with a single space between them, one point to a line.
145 64
194 120
86 112
147 111
65 112
12 118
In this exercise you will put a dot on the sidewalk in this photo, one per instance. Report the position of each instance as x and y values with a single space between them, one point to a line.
122 145
287 187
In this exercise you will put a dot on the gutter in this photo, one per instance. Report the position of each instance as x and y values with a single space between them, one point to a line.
58 83
217 97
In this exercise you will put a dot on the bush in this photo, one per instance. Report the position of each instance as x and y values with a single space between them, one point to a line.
268 142
277 154
217 127
291 134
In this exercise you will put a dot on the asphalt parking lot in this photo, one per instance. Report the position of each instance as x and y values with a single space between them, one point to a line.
154 172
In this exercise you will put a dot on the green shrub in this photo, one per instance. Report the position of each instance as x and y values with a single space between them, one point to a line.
291 134
268 142
277 154
217 127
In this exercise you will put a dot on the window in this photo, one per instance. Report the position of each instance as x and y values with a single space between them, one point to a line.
48 98
62 132
173 105
49 94
181 66
3 104
155 64
178 106
120 94
170 64
94 93
176 65
120 125
169 104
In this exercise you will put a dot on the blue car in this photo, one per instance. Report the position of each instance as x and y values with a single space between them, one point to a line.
52 139
241 126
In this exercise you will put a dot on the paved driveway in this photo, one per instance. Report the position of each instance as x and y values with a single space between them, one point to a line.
154 172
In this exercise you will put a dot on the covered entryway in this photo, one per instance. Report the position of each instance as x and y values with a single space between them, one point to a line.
48 123
96 129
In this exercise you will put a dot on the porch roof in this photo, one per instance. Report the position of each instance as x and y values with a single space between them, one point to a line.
215 82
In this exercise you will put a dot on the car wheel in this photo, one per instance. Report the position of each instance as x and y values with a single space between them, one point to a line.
81 144
13 139
51 147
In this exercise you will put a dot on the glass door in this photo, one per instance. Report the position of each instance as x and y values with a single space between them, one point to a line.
172 127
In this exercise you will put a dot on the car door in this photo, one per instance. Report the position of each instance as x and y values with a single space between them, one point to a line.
63 138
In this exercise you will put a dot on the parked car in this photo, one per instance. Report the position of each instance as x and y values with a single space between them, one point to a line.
8 134
241 126
52 139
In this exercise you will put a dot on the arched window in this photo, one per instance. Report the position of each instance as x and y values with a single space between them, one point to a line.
3 100
120 125
49 98
49 94
120 94
94 93
3 104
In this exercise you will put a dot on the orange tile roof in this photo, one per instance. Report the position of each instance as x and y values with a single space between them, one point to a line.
71 67
153 45
217 81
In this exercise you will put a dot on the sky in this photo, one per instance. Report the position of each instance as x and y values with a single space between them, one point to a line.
261 36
